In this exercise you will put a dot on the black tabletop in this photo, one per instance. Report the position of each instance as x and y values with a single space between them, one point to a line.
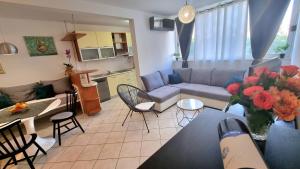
195 147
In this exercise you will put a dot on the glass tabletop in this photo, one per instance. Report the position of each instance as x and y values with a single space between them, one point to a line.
190 104
34 109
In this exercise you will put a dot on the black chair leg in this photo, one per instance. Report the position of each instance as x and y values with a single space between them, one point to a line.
155 113
40 148
78 124
15 160
28 160
58 129
145 121
126 117
54 125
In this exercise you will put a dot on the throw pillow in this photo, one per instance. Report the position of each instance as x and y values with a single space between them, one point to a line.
5 101
59 85
20 93
233 79
43 92
175 78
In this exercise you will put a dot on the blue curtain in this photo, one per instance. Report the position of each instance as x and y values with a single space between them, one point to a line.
185 33
265 20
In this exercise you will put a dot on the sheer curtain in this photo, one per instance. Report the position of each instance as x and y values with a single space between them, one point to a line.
220 34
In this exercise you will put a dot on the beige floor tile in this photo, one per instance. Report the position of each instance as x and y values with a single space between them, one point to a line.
167 133
84 164
90 152
119 127
150 147
135 135
152 124
52 155
82 139
110 151
166 123
105 128
106 164
131 149
152 135
128 163
116 137
70 154
163 142
98 138
63 165
135 125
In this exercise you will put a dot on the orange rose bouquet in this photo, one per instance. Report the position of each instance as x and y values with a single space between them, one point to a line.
267 95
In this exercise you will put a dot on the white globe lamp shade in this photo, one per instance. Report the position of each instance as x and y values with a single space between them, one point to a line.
187 14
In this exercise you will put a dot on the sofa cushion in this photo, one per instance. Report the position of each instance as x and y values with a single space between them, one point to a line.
201 76
165 75
212 92
221 76
185 74
152 81
164 93
59 85
20 93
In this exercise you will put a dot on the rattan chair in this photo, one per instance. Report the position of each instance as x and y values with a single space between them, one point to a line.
13 142
66 118
137 100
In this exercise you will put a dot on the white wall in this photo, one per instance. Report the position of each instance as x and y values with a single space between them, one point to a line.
154 48
23 69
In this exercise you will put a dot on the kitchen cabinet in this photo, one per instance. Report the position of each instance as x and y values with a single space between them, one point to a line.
88 41
128 38
128 77
104 39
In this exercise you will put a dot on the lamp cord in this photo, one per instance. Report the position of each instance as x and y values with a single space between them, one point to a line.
1 30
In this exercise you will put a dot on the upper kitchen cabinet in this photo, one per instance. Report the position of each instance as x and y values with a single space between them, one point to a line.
129 43
88 41
104 39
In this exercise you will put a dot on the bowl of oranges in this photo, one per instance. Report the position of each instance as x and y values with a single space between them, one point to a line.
19 108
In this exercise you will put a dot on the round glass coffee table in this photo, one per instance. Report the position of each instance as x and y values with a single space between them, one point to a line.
188 105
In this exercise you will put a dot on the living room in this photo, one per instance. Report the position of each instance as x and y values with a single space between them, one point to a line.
149 84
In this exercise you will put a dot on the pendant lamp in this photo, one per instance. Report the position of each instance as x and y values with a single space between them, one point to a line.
7 48
187 13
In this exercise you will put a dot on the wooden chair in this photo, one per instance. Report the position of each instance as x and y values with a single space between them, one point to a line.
137 100
65 118
13 142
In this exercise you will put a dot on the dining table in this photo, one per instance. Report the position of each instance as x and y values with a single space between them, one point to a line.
35 108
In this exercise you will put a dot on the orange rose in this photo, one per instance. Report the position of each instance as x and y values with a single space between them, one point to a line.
250 91
263 100
261 70
289 71
253 80
234 88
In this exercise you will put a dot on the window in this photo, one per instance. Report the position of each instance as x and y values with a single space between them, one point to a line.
280 43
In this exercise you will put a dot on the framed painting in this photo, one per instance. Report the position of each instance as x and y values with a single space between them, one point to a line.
40 45
1 69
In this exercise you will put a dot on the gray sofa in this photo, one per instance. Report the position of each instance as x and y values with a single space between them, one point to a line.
204 84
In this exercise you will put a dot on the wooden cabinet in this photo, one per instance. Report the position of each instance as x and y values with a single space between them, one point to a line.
104 39
128 77
88 41
128 38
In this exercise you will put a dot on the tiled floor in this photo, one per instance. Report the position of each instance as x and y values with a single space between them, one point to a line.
107 144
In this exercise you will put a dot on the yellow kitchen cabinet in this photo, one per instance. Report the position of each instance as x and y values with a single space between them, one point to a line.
104 39
128 77
88 41
128 39
112 84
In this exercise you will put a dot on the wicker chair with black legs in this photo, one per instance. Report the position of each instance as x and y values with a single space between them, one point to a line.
66 118
137 100
13 142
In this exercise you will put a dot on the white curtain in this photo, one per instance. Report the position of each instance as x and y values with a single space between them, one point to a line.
220 34
295 47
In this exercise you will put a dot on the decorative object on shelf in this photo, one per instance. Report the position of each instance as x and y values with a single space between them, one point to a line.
187 13
177 55
68 66
7 48
267 96
1 69
40 45
281 50
19 108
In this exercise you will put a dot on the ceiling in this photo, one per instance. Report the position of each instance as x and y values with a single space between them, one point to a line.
9 10
160 7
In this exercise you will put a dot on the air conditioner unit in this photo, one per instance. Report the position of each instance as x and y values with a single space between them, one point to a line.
161 24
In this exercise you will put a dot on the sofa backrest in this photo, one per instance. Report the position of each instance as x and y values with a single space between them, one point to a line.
201 76
220 76
185 74
20 93
165 75
152 81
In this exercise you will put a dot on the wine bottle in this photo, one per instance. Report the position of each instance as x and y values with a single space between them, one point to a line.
237 147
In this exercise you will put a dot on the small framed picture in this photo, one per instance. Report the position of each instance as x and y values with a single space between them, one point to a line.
1 69
40 45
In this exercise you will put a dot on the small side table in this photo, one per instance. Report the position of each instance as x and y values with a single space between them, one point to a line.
184 105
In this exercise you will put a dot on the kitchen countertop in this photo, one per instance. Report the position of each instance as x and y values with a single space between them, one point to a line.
99 76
